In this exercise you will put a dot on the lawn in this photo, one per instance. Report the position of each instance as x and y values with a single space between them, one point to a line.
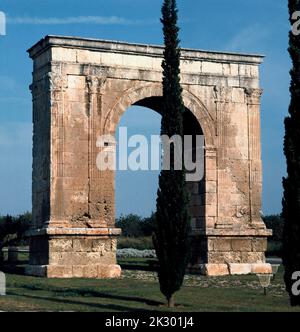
138 290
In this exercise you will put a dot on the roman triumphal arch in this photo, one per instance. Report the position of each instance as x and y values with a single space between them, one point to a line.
81 88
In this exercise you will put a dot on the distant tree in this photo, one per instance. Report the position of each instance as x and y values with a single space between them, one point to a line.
276 224
172 218
148 225
12 229
6 226
131 225
291 184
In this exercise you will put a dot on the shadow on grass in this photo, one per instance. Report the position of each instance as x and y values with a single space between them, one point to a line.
13 269
150 265
111 307
90 293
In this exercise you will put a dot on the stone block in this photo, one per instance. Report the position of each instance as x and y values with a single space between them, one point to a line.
222 245
67 258
241 245
109 271
82 245
76 95
233 82
239 269
238 96
211 187
212 68
210 222
114 59
90 271
76 82
214 270
226 69
60 245
254 71
245 70
210 175
63 54
253 257
259 245
211 210
59 271
137 61
234 69
78 271
190 66
98 246
85 56
219 257
261 268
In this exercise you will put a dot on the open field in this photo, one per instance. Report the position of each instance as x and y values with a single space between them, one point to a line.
138 290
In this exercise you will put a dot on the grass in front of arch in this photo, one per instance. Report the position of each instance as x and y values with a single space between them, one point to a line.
138 290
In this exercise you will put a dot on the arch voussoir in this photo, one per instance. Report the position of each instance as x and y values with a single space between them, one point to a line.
136 94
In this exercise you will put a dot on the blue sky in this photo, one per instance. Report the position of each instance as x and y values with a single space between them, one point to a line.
225 25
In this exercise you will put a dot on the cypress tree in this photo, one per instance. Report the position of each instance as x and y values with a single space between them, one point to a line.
291 184
172 218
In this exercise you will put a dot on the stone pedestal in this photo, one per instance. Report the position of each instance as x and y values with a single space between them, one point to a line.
73 253
234 252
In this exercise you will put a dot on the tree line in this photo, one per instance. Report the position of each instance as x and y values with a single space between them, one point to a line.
13 228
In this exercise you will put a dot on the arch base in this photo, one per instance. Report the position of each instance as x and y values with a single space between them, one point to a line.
73 253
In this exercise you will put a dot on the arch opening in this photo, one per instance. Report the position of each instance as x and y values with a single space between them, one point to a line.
129 183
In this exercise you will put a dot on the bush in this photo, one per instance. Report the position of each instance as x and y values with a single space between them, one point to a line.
134 253
136 226
274 249
141 243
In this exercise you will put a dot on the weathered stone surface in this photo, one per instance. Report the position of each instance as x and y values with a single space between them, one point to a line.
215 269
240 269
82 245
259 245
241 245
56 271
81 88
60 245
261 268
109 271
222 244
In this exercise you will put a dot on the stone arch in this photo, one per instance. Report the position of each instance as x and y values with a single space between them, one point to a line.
136 94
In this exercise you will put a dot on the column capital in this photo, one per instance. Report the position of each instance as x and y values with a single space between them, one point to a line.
222 94
253 95
92 84
56 81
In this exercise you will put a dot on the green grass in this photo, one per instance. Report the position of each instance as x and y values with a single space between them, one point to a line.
138 290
